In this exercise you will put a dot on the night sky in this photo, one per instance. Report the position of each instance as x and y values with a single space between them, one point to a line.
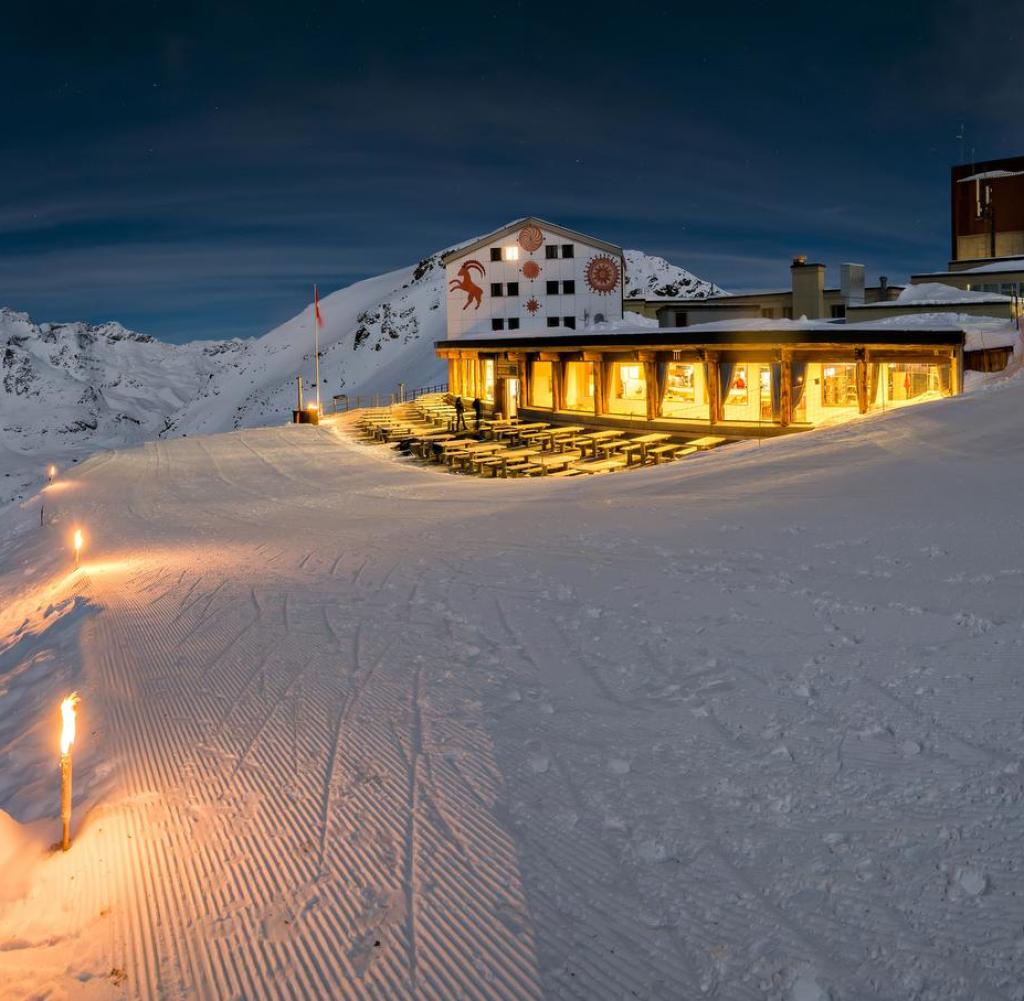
190 169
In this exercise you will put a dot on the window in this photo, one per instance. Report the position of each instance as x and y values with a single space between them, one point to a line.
738 387
495 253
513 323
579 386
681 319
839 385
787 312
510 253
628 389
910 381
838 311
512 289
552 321
552 288
568 288
487 390
768 312
541 388
495 288
497 324
567 250
685 392
551 251
569 321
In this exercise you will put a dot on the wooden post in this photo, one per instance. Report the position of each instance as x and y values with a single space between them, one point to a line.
786 388
714 387
862 380
600 386
647 358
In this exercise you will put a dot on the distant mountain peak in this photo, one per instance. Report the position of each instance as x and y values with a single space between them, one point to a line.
654 278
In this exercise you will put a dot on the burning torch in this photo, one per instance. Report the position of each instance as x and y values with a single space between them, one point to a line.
67 738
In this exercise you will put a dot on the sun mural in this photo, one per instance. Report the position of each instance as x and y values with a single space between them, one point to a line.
602 275
531 269
530 238
532 305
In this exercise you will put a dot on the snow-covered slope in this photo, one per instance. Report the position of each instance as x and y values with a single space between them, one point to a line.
72 389
654 278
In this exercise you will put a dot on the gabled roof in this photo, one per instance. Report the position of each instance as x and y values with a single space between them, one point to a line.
518 224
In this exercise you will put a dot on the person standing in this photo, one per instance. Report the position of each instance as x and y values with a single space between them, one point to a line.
477 408
460 414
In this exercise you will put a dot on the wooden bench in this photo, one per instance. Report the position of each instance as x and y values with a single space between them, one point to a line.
601 466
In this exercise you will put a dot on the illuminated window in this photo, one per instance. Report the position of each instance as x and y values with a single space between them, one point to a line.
738 386
839 386
911 382
511 253
487 390
541 385
685 392
628 389
579 386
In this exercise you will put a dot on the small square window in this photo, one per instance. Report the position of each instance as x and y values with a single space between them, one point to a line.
838 311
552 321
569 321
497 324
513 323
496 288
512 289
567 250
551 251
552 288
569 288
511 253
495 253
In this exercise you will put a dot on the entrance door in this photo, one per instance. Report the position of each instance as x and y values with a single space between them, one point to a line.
511 397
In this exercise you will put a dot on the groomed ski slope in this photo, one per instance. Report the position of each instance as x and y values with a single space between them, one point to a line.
750 726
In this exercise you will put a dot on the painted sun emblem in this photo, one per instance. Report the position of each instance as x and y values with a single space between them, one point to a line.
531 269
530 238
602 274
532 305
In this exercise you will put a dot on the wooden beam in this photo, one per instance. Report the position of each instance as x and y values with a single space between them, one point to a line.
714 386
651 385
786 388
862 381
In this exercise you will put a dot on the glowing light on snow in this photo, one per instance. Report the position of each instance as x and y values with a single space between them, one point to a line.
51 472
67 722
79 539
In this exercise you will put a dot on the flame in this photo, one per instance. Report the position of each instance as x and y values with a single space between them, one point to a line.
67 721
78 540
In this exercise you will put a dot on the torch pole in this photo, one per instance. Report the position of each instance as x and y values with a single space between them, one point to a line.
316 348
65 800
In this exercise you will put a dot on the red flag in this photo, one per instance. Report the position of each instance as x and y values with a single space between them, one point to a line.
316 307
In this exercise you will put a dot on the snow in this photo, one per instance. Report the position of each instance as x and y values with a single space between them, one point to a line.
654 278
934 293
746 726
1003 264
991 175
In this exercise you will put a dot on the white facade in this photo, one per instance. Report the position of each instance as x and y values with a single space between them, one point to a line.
532 278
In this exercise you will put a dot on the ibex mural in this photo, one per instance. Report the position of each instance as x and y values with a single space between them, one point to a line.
474 292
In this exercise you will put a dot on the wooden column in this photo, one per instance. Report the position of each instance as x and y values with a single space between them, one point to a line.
454 375
786 388
714 386
558 384
647 358
600 381
862 380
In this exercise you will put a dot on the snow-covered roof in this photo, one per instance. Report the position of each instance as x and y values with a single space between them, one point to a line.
935 294
517 224
991 175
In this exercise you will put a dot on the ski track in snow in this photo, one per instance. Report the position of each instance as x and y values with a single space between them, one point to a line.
745 727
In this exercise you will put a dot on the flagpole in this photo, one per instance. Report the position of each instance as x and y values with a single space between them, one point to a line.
316 343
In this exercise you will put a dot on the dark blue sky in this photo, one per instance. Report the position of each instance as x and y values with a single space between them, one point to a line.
191 168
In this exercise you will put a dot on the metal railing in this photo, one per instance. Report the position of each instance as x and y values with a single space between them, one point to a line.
343 402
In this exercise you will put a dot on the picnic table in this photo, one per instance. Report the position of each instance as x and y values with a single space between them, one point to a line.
708 441
517 430
500 460
591 441
601 466
633 446
469 454
547 436
551 463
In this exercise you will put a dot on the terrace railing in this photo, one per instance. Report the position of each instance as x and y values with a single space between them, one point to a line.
343 402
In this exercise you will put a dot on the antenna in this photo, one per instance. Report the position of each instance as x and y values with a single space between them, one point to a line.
961 137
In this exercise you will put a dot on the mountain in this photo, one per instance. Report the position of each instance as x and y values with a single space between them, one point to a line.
654 278
70 389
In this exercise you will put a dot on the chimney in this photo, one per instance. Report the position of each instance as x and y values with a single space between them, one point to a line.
851 284
808 289
883 288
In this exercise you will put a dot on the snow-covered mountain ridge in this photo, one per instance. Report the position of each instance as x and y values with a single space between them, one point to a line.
69 389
